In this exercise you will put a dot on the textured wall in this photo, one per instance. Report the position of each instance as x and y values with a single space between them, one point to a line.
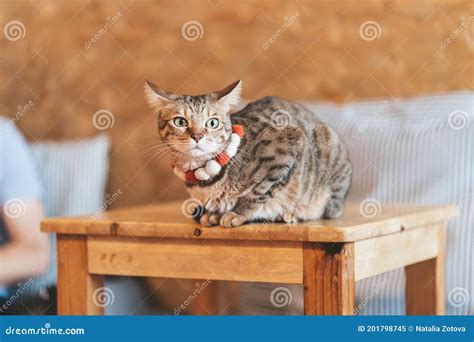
74 58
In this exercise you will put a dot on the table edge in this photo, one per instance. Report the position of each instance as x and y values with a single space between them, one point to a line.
75 226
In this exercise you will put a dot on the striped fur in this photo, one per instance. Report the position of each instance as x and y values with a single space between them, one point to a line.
290 167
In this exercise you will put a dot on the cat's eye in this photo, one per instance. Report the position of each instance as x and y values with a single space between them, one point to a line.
180 122
212 123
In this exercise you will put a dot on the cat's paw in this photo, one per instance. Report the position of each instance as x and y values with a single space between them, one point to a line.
232 219
212 205
214 219
205 220
208 220
290 218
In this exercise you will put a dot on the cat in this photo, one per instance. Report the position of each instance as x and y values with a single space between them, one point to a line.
272 161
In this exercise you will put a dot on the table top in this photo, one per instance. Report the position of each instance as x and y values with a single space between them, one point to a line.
167 220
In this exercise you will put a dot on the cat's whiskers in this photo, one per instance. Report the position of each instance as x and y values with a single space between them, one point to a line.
245 152
159 150
158 155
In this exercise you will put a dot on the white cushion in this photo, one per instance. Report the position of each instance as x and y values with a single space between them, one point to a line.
420 151
73 174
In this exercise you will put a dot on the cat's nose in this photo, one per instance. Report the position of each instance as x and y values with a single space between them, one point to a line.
197 137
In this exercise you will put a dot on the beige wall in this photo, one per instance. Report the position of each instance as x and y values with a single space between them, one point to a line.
318 53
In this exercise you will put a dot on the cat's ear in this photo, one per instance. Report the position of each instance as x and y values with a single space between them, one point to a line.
229 97
157 97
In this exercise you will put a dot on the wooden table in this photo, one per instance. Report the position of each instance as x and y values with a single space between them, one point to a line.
326 256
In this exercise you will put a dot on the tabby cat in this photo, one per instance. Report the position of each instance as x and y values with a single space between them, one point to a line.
271 161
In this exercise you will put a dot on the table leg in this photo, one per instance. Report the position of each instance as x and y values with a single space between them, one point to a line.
425 283
328 278
75 285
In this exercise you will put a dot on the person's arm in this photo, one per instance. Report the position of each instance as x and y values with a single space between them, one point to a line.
27 252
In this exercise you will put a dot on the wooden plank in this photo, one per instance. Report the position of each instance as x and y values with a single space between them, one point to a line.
211 259
75 285
385 253
328 278
167 220
425 282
